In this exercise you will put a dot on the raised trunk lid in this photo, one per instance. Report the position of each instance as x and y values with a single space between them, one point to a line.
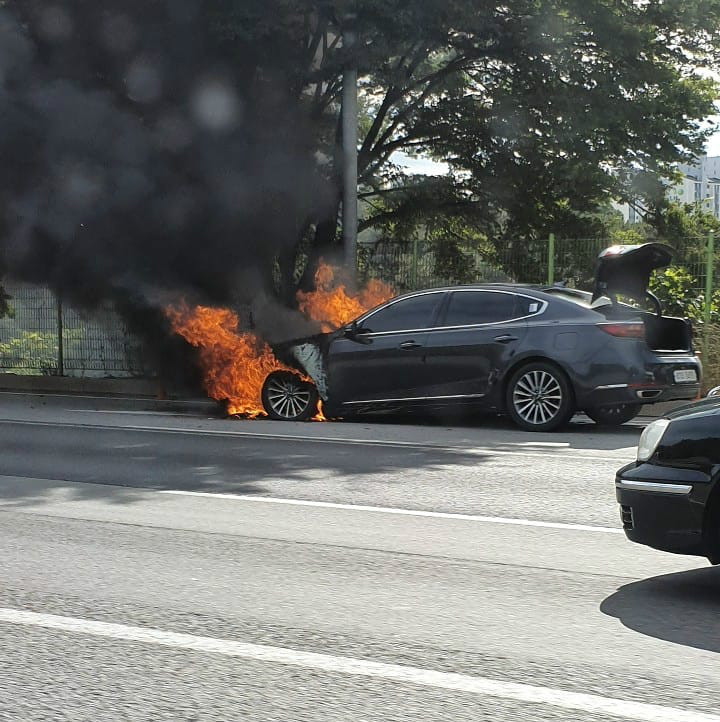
626 270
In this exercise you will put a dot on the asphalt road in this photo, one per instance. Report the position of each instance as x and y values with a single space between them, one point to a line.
167 567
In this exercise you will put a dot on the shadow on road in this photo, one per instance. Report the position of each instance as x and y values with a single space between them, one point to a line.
683 608
202 462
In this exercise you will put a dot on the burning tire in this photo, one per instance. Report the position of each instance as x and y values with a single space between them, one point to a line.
613 415
286 397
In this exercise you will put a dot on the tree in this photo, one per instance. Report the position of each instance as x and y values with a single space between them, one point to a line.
543 110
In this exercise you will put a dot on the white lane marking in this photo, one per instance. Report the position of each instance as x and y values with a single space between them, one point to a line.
482 686
393 510
482 452
126 412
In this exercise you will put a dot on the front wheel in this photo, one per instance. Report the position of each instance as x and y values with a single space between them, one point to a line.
613 415
539 397
286 397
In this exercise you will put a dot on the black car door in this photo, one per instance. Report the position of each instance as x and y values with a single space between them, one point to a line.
479 332
384 358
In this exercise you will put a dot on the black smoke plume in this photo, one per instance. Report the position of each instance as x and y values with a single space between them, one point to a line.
146 157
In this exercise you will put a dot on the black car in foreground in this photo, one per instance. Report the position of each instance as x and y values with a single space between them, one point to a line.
536 354
670 498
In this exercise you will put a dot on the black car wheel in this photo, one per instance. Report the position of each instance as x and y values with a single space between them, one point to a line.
539 397
286 397
613 415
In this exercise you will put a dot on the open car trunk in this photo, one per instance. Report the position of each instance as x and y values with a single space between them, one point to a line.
665 334
625 271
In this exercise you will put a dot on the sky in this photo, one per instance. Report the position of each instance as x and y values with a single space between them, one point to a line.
430 167
713 147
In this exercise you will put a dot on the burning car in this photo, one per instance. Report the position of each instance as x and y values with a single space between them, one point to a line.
536 354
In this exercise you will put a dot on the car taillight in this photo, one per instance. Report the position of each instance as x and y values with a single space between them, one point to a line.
624 330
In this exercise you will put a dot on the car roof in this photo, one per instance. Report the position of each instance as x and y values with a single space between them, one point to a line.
509 287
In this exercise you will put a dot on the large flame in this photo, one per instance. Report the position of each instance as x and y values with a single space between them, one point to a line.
332 305
235 363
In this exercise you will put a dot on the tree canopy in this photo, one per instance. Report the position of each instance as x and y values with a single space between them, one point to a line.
543 110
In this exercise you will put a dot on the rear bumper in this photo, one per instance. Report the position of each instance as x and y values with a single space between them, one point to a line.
641 394
665 513
654 383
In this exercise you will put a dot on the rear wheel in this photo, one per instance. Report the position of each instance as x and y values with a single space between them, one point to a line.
286 397
539 397
613 415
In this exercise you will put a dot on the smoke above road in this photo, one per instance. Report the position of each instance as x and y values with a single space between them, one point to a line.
145 158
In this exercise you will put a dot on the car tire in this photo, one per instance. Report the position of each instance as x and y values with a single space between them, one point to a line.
613 415
539 397
287 397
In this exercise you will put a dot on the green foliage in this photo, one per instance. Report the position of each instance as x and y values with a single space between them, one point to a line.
542 109
30 351
677 290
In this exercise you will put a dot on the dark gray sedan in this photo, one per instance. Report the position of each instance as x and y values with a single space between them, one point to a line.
536 354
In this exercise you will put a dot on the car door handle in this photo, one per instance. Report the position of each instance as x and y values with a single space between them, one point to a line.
407 345
506 338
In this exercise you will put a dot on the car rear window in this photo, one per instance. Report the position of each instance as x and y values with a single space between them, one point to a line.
467 308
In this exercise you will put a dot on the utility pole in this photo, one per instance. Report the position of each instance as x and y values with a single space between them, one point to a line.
350 141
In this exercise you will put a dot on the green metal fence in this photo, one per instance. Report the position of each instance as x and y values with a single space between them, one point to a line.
420 264
47 337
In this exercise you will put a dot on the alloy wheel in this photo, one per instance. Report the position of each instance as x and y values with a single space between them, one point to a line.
537 397
288 398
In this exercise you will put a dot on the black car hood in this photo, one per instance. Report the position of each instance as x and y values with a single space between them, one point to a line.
626 269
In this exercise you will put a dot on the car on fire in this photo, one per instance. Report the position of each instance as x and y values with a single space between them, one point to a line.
670 497
535 354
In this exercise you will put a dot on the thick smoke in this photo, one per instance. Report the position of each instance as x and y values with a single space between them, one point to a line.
145 158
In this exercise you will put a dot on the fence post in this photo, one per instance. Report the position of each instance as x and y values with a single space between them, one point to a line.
415 262
709 272
61 350
551 260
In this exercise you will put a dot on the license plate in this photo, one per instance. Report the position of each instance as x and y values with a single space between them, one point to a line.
684 376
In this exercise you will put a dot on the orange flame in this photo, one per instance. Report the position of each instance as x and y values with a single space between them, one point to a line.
332 305
236 363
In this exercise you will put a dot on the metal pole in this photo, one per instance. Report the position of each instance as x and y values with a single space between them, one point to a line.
61 350
551 260
415 263
350 141
709 272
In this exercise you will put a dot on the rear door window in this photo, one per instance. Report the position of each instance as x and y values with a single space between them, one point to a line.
408 314
467 308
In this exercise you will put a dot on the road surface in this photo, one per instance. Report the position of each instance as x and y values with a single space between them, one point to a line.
168 567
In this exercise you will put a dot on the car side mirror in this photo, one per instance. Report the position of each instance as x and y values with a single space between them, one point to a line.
356 333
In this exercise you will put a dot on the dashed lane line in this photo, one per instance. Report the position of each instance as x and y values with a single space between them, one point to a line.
393 510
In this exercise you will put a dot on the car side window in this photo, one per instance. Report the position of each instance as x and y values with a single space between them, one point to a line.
525 306
407 314
467 308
